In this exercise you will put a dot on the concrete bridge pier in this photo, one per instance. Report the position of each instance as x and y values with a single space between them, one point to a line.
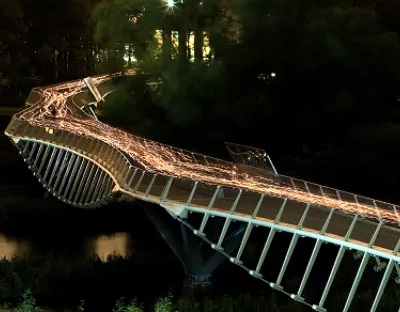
198 260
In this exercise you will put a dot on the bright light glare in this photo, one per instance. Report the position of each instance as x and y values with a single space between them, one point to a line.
273 75
170 3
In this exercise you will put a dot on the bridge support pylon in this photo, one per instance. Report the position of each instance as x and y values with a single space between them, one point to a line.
198 263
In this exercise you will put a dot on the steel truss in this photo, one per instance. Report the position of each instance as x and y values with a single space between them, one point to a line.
298 231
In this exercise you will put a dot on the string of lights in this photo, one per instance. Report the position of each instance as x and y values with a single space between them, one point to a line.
56 111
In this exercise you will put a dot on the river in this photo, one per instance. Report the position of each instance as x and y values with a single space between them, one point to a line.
120 243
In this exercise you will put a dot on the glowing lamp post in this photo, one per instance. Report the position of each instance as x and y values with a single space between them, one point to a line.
170 4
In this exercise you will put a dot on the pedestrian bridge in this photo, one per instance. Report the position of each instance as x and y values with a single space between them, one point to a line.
84 162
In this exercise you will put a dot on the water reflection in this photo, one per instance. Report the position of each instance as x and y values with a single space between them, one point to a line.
10 247
104 245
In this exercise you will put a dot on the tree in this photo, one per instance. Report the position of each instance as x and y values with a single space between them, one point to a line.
60 39
334 62
127 24
12 43
320 52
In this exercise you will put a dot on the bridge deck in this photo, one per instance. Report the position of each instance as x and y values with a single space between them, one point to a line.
362 233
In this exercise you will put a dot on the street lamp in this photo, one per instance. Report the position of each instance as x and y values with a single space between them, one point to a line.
170 3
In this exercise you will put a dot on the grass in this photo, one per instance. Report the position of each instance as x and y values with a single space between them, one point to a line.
133 285
60 283
169 303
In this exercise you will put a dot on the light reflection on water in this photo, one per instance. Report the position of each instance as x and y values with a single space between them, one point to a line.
104 245
12 247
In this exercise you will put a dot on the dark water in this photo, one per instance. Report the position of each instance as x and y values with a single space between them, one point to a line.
104 245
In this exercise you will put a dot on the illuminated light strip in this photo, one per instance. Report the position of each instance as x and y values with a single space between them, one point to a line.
55 112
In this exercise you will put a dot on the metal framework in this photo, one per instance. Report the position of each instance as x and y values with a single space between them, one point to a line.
85 172
250 156
72 178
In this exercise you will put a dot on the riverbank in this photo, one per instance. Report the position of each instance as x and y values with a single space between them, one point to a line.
37 226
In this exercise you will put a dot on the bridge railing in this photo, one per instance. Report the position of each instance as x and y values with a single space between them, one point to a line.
105 155
120 167
357 204
368 207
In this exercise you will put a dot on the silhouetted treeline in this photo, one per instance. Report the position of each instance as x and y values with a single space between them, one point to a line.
330 114
42 42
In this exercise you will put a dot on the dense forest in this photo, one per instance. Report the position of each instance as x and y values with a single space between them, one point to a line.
315 83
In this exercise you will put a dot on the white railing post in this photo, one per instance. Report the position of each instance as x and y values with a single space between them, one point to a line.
200 231
227 223
166 189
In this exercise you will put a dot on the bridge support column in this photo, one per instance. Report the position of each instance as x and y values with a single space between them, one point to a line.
197 263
